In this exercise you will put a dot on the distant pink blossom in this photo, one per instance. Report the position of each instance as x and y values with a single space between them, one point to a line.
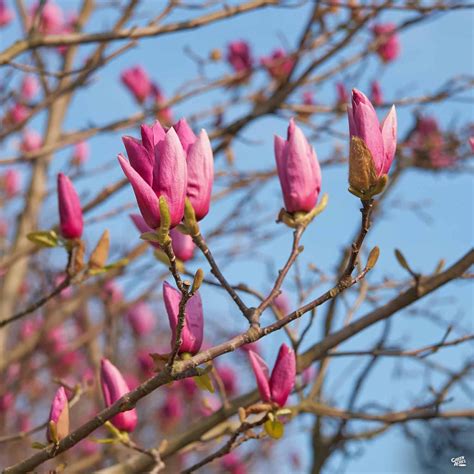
389 47
279 64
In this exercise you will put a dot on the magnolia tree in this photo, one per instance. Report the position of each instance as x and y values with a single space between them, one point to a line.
180 295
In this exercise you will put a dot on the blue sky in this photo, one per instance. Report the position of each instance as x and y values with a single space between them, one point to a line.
431 53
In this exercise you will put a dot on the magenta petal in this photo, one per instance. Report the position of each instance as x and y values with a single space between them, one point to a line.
139 157
192 334
114 387
389 135
151 135
262 376
170 175
70 213
185 134
283 375
183 245
200 164
146 198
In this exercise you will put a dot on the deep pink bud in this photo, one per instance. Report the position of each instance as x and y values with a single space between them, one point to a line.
298 170
276 388
376 93
70 213
6 15
165 114
113 388
341 92
59 415
31 141
185 134
229 380
239 57
192 334
283 375
389 47
170 175
29 87
51 19
380 140
6 402
279 64
11 183
141 318
200 162
136 80
81 153
18 113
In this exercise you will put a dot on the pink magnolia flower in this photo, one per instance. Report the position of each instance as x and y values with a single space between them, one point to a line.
308 98
298 170
141 318
429 145
279 64
7 400
471 142
389 46
59 415
381 139
192 333
29 87
16 114
31 141
137 81
145 362
164 115
171 411
113 388
376 93
51 19
200 163
6 15
239 57
229 379
112 291
80 153
11 183
157 167
277 387
341 92
71 222
233 464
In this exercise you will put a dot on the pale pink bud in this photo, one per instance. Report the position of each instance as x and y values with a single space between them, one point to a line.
141 318
114 387
381 140
80 153
279 64
239 57
70 213
192 333
29 87
31 141
59 415
6 15
376 93
137 81
298 170
389 47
